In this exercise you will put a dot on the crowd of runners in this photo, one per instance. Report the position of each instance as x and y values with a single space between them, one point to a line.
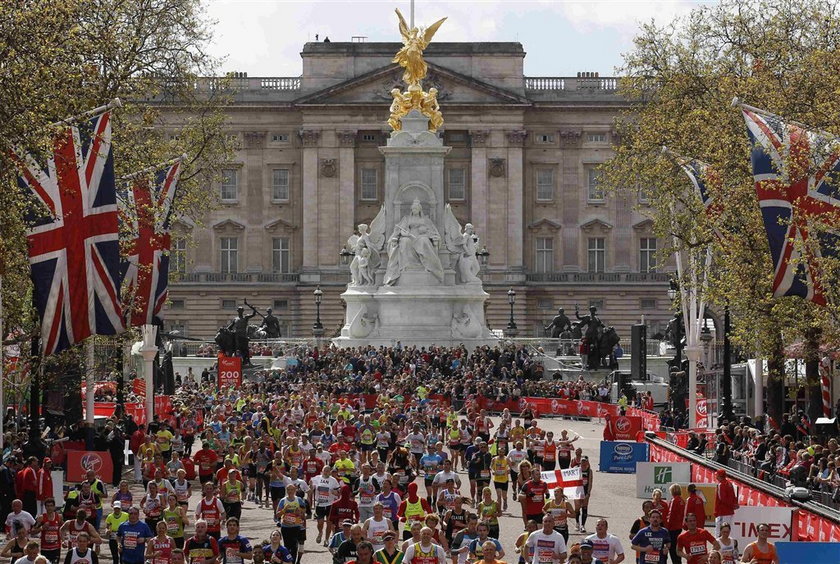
408 478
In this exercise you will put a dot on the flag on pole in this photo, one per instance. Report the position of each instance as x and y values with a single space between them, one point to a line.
569 479
796 179
702 176
73 245
148 212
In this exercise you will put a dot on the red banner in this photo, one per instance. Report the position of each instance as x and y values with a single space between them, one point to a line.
229 371
139 387
163 409
80 461
807 526
702 414
625 428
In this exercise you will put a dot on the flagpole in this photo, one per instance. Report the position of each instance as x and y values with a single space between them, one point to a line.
153 167
115 103
89 397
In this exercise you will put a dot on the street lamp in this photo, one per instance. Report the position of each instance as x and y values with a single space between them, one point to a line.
346 255
318 328
482 256
512 330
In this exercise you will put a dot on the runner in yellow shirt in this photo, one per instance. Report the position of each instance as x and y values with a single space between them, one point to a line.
500 469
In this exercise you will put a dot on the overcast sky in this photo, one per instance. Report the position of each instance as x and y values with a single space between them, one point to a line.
265 37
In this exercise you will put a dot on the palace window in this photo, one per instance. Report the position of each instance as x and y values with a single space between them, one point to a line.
597 252
229 255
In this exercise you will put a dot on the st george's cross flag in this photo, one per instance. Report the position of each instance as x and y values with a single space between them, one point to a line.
73 243
147 212
569 479
797 179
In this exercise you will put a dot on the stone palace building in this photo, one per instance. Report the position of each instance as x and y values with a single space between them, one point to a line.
522 170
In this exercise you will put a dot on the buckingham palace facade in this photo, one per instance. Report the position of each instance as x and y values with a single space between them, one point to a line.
522 170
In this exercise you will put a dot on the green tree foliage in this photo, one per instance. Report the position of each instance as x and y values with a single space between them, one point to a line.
782 56
59 58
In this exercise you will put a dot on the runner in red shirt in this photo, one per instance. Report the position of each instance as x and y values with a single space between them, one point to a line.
533 496
312 465
206 458
211 510
692 544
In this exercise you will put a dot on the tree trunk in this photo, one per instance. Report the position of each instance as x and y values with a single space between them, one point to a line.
775 396
812 373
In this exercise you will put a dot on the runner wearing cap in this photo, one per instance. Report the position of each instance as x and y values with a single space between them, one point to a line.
389 554
586 553
339 537
112 524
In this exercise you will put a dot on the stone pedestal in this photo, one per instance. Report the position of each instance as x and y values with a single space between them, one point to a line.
417 308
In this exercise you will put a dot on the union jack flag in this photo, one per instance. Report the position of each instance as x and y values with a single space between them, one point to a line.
148 214
796 180
702 176
74 250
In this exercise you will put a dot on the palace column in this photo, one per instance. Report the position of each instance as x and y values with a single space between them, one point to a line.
479 195
346 183
515 200
310 139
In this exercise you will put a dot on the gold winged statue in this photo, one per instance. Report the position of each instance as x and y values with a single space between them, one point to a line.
410 57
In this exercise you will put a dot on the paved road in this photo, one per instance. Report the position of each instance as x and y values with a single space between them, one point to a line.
613 498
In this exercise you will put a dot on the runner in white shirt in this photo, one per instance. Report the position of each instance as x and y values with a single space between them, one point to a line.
441 478
366 489
323 493
605 547
426 551
515 457
376 527
545 546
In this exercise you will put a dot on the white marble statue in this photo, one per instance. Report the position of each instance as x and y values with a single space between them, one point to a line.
463 246
414 242
363 324
366 246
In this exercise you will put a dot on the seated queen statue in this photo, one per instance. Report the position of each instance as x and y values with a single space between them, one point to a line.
414 243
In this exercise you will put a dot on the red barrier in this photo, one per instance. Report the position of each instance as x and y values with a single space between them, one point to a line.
540 407
807 527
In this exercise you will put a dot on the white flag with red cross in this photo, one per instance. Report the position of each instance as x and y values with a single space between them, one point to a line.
569 479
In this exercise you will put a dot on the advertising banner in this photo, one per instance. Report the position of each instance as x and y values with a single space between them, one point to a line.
80 461
747 519
653 475
229 371
621 457
625 428
702 414
808 551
